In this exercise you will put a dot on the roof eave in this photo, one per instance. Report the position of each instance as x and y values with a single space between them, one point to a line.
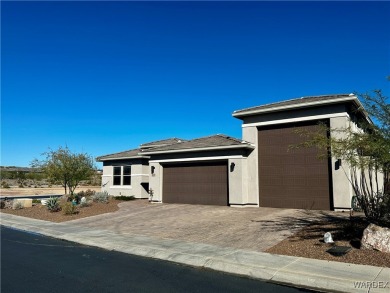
288 107
363 110
121 158
247 146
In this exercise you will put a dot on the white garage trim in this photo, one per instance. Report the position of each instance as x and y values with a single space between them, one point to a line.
197 159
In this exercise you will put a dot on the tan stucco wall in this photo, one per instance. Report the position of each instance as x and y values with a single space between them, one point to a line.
155 181
342 189
235 180
139 175
250 179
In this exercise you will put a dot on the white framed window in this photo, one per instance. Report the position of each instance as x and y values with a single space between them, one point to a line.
121 175
126 175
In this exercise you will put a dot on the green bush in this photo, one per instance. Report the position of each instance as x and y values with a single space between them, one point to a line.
36 201
100 197
123 197
53 204
17 205
69 209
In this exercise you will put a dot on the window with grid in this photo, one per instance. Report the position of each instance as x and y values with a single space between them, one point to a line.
117 175
126 175
122 175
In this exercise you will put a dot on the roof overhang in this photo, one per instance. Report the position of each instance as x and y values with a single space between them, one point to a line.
98 159
244 146
250 112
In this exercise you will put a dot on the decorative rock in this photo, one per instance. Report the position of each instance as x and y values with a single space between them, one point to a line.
83 200
376 237
26 202
328 238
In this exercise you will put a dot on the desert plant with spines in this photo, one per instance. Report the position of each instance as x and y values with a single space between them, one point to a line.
53 204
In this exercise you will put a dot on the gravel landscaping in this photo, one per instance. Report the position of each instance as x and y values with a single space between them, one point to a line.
309 243
39 211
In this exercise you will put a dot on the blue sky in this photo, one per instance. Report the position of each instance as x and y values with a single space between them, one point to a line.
103 77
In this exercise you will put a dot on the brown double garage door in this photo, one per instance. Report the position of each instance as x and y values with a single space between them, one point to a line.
292 178
196 183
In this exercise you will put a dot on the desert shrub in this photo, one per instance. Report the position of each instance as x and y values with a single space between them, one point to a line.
8 203
4 184
85 203
36 201
123 197
69 209
101 197
74 197
89 192
77 198
2 204
81 194
53 204
17 205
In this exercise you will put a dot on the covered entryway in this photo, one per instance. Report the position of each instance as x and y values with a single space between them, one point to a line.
291 178
196 183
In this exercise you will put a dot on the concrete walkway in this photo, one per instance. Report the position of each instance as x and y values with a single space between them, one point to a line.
300 272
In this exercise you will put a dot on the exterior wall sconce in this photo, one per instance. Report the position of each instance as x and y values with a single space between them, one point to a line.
232 165
337 164
152 169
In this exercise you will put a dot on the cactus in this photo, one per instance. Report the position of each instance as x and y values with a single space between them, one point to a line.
53 204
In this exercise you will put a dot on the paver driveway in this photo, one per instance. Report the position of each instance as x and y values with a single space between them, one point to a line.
246 228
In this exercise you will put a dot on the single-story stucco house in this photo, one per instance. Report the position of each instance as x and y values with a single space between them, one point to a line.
258 170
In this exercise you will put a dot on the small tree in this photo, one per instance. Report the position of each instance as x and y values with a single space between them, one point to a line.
365 147
67 168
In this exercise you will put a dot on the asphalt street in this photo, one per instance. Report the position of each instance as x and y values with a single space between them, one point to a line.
35 263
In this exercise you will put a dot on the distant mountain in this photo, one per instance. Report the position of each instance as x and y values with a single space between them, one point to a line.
18 169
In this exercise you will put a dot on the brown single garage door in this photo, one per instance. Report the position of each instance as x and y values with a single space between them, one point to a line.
291 178
196 183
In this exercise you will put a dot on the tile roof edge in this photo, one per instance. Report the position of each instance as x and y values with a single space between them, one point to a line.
335 97
117 153
161 140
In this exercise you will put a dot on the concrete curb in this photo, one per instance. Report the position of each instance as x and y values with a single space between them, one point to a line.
295 271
